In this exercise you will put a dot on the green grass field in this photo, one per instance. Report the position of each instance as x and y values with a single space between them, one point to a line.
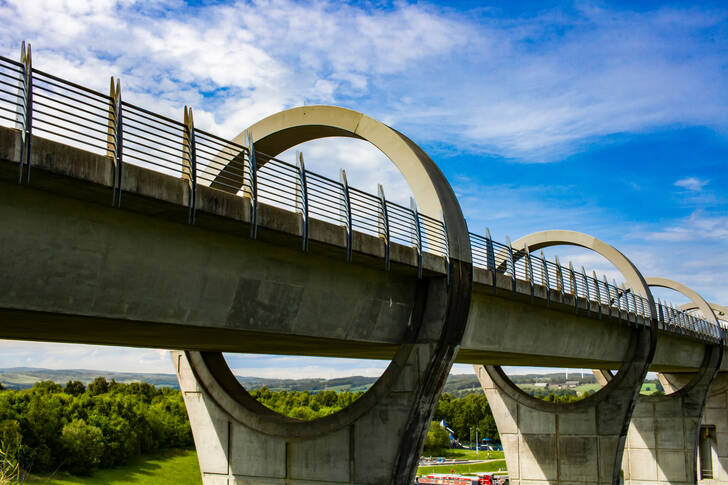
492 466
171 467
466 454
179 467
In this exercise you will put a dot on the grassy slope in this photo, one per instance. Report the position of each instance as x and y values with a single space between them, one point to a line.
172 467
179 467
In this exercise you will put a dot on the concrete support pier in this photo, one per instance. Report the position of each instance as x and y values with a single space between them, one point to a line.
239 441
713 438
580 442
663 438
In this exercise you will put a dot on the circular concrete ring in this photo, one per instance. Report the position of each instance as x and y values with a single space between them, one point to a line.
435 197
695 298
697 302
639 355
720 311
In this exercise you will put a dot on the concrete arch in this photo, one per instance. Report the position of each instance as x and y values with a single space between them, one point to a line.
720 311
393 414
697 301
536 434
281 131
544 239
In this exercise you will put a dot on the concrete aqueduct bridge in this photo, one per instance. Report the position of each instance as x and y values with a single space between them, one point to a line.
191 250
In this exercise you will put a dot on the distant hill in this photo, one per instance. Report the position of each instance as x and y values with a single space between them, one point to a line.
25 377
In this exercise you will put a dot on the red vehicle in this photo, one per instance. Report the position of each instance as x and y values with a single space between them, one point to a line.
452 479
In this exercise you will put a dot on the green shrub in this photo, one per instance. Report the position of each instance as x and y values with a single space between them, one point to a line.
83 445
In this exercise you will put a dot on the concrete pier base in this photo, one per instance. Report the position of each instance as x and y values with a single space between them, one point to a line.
239 441
713 439
663 438
572 443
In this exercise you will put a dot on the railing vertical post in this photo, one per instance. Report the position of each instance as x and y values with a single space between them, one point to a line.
346 212
384 228
609 296
599 293
27 135
574 289
546 279
660 314
251 188
511 264
417 234
115 140
529 272
625 297
302 196
490 258
189 163
642 308
560 279
586 289
446 246
631 296
618 299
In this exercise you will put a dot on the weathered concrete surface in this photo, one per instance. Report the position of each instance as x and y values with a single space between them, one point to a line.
662 442
581 442
716 415
79 271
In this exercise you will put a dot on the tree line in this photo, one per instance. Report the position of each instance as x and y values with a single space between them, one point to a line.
76 428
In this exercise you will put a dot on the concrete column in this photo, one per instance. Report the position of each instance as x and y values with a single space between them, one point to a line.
375 440
715 417
662 442
361 450
579 442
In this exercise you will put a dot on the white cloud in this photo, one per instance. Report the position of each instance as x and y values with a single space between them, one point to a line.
697 227
533 87
78 356
692 183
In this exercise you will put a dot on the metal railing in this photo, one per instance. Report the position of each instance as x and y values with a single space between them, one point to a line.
36 102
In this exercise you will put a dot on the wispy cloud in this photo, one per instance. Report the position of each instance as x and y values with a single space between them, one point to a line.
692 183
534 87
697 227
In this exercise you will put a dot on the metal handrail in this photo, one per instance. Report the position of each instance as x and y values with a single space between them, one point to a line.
104 123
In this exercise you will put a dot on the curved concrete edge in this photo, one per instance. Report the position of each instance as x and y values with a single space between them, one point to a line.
438 324
560 237
585 439
435 198
694 296
720 311
215 377
664 433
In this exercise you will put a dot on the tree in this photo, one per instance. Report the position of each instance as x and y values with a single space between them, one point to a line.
1 387
437 438
83 445
75 388
98 386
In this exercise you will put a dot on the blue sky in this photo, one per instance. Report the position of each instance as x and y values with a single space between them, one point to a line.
607 118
